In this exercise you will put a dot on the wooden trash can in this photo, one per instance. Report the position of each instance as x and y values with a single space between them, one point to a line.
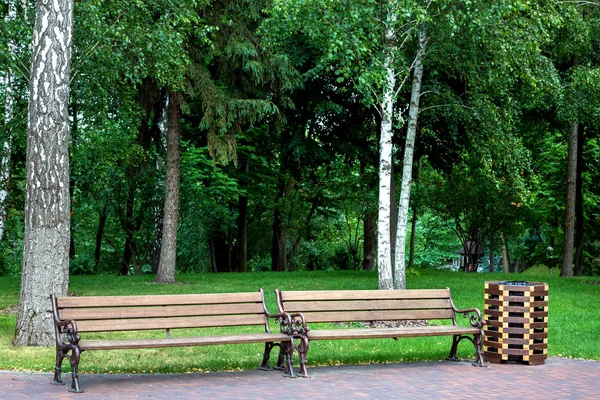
516 313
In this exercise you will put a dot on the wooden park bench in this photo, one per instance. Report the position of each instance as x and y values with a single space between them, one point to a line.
75 316
345 306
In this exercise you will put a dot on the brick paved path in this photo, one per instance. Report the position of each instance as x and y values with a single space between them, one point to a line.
556 379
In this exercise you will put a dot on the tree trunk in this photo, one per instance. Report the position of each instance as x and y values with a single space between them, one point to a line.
384 248
413 227
411 133
505 260
168 249
568 243
243 228
579 217
243 233
45 268
278 250
99 233
492 266
369 240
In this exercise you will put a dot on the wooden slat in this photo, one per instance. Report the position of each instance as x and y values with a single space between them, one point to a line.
168 323
364 294
178 342
377 315
416 304
158 300
163 311
432 330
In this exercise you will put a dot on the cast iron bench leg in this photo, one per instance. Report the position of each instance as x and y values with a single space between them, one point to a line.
60 355
302 350
74 360
264 366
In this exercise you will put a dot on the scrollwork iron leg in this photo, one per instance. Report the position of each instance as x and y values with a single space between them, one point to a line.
280 359
288 349
264 366
455 341
478 342
302 350
60 355
74 360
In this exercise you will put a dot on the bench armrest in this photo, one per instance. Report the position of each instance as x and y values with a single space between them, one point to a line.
299 322
474 316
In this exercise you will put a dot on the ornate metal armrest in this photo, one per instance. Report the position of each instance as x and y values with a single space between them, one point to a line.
69 327
474 316
299 323
285 321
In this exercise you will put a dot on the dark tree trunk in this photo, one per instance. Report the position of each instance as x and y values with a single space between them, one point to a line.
168 252
568 243
243 233
99 233
370 240
579 216
413 226
278 250
45 265
128 227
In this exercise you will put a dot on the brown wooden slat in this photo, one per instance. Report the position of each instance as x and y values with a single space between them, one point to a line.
308 306
178 342
155 312
377 315
432 330
168 323
158 300
365 294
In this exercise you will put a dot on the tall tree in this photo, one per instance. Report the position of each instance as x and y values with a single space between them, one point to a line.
45 268
407 171
168 252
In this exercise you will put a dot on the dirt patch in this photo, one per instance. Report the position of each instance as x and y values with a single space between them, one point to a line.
384 324
12 310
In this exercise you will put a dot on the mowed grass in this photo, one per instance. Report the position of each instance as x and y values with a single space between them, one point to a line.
574 323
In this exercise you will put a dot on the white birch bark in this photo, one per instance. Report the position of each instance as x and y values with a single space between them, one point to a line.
45 268
411 133
384 248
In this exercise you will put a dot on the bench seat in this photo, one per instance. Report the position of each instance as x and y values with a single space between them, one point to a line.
380 333
179 342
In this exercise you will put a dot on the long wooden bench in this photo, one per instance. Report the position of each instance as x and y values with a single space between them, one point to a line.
75 316
344 306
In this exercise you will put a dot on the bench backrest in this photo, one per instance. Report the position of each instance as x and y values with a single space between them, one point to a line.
129 313
367 305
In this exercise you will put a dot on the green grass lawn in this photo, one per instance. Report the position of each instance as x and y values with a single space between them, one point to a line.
574 324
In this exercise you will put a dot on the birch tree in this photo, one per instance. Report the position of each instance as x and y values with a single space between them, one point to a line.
403 206
45 266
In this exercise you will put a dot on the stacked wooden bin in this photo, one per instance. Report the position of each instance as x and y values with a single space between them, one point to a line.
517 322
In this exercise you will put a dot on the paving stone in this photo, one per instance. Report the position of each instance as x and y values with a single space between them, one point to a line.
556 379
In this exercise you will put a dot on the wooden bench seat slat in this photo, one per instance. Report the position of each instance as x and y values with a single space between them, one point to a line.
356 316
160 311
116 325
412 304
441 330
158 300
317 295
178 342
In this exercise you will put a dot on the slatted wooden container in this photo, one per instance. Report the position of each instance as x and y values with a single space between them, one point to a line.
517 322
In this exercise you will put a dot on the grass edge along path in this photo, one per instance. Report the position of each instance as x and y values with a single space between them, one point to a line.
573 321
